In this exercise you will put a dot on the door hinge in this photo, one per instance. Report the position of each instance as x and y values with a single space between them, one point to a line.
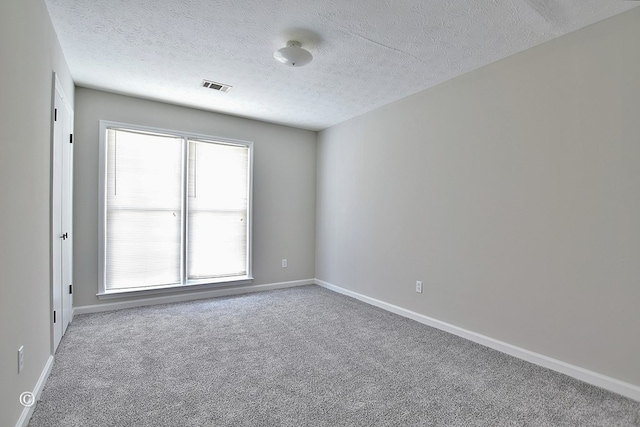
54 316
71 138
55 114
70 289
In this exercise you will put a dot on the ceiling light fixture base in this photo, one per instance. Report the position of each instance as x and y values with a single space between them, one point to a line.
293 55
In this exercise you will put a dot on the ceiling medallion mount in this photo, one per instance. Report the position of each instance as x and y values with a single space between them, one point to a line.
293 55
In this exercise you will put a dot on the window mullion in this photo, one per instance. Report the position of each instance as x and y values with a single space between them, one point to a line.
185 206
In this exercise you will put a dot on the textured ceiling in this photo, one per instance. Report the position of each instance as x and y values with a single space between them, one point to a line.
367 53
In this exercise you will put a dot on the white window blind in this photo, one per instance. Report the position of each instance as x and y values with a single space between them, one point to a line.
150 178
217 206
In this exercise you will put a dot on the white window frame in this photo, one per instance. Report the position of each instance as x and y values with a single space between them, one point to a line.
185 285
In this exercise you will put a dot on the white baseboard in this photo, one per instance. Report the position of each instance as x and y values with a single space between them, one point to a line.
188 296
25 416
620 387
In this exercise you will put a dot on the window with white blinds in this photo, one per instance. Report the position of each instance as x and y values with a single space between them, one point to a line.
175 209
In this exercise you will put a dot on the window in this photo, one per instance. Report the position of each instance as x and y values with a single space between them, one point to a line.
175 209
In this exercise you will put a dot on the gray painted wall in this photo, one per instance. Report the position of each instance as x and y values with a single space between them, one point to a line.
31 53
283 184
511 191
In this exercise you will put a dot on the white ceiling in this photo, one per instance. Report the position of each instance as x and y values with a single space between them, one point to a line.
367 53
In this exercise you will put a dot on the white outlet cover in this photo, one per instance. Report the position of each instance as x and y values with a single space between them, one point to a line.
419 286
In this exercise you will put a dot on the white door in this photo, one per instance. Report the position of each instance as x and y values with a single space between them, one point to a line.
62 205
67 216
56 223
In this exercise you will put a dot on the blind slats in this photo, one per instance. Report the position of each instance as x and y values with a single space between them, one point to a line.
144 198
217 210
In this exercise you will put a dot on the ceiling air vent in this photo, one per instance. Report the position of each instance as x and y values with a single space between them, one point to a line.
216 86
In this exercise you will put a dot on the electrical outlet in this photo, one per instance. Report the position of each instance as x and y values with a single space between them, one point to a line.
284 263
20 358
418 286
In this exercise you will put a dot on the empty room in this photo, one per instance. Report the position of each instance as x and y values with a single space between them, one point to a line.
317 213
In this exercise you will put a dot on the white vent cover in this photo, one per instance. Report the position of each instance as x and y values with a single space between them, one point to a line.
216 86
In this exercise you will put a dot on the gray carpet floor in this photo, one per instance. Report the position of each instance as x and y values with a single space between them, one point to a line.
300 357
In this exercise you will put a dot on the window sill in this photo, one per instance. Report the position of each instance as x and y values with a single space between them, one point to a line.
190 287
